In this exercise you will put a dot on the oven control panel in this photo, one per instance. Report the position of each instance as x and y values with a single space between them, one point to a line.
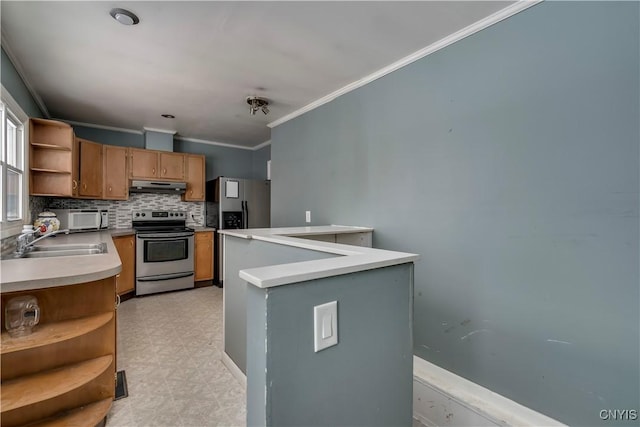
149 215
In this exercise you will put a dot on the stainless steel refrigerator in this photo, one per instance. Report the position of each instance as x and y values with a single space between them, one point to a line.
234 203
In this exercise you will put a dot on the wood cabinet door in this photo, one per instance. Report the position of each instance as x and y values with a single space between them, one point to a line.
125 281
143 163
90 185
204 255
171 165
116 179
195 166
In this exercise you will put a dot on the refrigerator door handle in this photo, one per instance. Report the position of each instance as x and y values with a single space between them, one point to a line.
246 213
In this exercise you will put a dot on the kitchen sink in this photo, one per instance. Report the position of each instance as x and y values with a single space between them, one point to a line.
66 250
69 247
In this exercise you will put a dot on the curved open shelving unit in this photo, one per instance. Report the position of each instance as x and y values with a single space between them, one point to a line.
49 146
49 170
41 386
56 332
89 415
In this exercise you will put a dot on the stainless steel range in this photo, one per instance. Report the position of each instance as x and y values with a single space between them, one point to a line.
164 251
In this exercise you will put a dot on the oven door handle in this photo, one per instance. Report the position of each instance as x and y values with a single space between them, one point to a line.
164 277
163 235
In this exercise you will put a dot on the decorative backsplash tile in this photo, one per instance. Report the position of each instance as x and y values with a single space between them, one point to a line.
7 245
36 205
120 210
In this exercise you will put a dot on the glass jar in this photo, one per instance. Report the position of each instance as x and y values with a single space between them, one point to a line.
21 314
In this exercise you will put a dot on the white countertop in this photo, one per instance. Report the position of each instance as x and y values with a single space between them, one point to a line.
23 274
349 259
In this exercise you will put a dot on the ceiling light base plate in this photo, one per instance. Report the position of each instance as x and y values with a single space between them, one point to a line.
256 103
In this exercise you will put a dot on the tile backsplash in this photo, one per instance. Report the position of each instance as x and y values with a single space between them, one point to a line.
36 205
120 210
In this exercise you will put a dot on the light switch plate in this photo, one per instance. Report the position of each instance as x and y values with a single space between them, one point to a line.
307 216
325 325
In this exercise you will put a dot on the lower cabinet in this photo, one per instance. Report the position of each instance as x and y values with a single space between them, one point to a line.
204 255
126 280
63 373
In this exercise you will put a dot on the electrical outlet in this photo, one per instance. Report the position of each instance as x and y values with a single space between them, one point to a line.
307 216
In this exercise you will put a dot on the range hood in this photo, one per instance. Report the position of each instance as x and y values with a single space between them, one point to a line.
157 187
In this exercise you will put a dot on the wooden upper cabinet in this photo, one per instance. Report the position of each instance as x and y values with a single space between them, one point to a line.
171 165
143 163
195 173
151 164
51 158
115 176
90 169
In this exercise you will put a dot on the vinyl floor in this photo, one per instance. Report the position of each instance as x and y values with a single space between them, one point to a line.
169 346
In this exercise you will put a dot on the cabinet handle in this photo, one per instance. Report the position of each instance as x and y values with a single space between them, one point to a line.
191 192
131 243
109 189
75 184
84 186
117 300
153 171
164 171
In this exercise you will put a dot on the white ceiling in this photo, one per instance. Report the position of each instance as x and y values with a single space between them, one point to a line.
200 60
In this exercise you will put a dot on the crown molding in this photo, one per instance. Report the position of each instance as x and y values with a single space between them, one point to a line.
91 125
180 138
16 64
260 146
490 20
220 144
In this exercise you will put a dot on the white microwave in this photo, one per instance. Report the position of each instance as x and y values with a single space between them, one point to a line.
82 219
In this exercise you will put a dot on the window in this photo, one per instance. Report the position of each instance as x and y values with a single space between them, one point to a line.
13 201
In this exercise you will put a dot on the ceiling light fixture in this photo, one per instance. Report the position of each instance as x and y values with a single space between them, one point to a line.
257 103
124 16
168 116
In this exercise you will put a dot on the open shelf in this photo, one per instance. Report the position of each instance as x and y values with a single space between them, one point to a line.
31 389
89 415
55 332
49 146
49 170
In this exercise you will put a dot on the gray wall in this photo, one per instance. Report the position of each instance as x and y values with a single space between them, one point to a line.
510 162
259 162
365 380
242 254
158 140
111 137
220 160
13 83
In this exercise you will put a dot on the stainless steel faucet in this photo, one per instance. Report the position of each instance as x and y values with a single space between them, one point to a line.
24 244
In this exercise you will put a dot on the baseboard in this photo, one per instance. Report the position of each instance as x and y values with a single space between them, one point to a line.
203 283
233 368
442 398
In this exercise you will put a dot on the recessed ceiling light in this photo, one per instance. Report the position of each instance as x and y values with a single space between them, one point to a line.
168 116
124 16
